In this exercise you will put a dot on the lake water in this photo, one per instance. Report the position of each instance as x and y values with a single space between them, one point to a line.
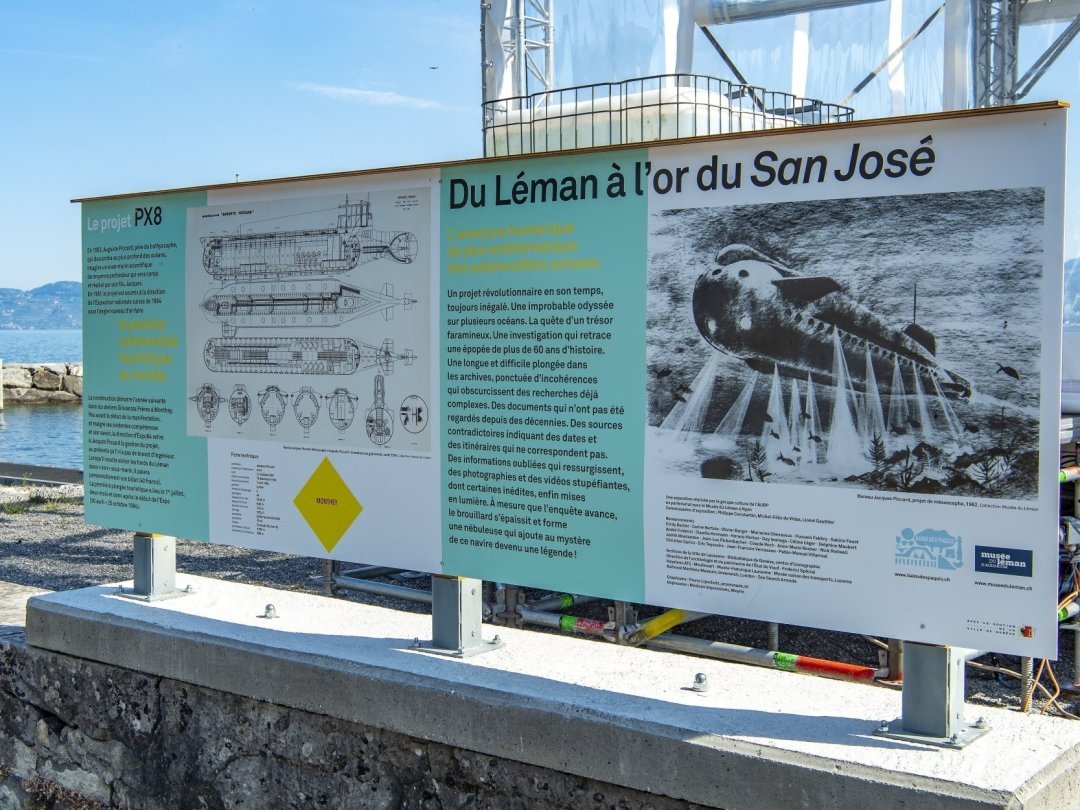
41 346
49 435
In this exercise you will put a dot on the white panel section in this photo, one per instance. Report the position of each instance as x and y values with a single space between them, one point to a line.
782 480
254 479
253 487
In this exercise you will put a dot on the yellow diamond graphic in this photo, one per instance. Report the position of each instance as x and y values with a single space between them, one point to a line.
327 505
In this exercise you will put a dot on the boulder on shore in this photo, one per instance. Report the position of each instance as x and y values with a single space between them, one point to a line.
33 383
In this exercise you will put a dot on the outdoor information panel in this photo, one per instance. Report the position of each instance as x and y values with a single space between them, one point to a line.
807 376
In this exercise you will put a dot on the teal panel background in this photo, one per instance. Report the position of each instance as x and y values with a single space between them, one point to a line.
614 231
183 515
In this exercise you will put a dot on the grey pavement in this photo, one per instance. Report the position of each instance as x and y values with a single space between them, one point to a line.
14 473
13 608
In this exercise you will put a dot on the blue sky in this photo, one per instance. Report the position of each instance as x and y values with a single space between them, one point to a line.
117 97
114 97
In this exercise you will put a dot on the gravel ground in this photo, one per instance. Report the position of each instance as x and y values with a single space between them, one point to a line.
45 543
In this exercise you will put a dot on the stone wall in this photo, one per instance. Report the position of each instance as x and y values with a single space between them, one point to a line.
91 735
31 383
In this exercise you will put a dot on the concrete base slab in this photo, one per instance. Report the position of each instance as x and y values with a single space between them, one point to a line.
758 739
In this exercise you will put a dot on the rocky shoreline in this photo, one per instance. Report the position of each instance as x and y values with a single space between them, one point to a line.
34 383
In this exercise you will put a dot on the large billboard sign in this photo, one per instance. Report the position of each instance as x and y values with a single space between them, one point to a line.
786 376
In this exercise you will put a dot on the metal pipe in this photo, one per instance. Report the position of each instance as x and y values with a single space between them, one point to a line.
1026 685
719 12
549 46
368 571
570 624
765 658
485 61
383 589
541 618
560 601
711 649
1037 12
774 636
684 37
660 624
521 67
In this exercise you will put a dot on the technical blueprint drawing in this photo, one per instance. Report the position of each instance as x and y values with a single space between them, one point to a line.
304 301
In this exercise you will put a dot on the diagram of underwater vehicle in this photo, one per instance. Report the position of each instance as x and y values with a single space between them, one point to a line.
341 405
379 423
302 355
308 251
272 403
306 407
757 309
316 302
299 355
207 400
239 404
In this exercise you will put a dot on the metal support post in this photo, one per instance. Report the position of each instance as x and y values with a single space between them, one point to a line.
330 569
457 617
623 615
774 636
895 660
932 701
155 569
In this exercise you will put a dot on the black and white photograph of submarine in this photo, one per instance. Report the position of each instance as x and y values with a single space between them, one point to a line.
886 343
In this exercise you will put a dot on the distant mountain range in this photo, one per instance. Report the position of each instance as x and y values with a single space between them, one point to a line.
51 306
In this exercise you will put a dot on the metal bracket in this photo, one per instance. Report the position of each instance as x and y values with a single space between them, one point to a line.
457 618
155 569
932 701
624 617
505 610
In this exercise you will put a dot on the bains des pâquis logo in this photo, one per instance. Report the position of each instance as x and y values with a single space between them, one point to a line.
929 548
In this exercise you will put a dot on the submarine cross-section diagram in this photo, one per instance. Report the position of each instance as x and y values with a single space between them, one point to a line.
307 251
270 304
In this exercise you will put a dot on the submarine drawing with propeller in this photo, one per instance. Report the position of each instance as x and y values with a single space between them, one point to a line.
307 251
756 308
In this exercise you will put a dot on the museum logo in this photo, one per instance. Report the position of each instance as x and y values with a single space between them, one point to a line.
1015 562
930 548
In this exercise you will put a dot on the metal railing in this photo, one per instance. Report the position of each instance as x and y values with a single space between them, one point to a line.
642 110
